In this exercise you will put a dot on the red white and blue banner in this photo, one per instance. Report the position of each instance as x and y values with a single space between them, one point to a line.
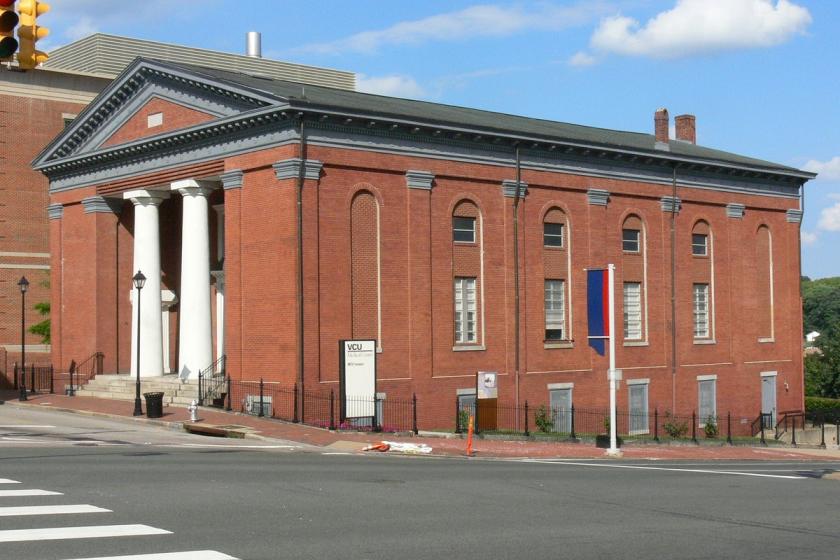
597 305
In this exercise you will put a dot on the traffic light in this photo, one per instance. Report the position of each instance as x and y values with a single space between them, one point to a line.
8 22
30 32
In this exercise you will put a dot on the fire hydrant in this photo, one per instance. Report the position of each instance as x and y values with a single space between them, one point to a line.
193 408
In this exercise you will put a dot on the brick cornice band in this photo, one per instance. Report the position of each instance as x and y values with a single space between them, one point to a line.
419 179
290 168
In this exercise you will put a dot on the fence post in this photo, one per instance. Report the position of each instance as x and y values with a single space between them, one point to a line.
32 390
527 433
332 410
52 380
229 395
572 434
457 416
475 426
414 413
376 419
822 430
656 424
763 441
16 376
261 413
694 426
200 392
295 405
793 431
729 428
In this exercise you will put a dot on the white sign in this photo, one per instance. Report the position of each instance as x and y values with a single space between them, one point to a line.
486 385
358 378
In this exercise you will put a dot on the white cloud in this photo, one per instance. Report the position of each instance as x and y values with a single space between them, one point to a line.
829 170
830 218
582 59
395 85
475 21
695 27
808 238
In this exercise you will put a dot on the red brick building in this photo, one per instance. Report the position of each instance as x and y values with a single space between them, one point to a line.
405 235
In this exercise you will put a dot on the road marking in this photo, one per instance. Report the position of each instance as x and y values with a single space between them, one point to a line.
232 446
34 492
700 471
188 555
337 453
91 532
50 510
8 481
19 426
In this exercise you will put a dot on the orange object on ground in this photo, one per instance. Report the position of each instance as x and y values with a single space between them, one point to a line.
469 438
381 446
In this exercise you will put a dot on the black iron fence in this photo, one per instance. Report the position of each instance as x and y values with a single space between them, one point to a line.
319 408
572 423
36 378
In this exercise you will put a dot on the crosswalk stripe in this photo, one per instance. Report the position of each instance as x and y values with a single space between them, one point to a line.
33 492
8 481
50 510
19 426
91 532
188 555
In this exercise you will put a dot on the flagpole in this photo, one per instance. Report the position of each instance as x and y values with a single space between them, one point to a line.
613 450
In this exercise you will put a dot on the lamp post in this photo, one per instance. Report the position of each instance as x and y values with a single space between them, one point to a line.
139 282
24 285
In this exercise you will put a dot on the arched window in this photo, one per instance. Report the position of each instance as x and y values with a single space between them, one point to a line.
557 307
467 271
634 277
702 277
364 242
764 283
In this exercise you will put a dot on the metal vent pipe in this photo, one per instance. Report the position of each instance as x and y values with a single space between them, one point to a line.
254 44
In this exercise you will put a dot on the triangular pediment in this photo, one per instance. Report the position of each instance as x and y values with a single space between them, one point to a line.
121 112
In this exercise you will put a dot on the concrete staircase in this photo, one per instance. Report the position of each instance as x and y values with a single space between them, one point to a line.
122 387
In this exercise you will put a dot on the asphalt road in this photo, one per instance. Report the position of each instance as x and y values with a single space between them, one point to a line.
249 500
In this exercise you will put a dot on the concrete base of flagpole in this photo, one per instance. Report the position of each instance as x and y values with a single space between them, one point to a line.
614 453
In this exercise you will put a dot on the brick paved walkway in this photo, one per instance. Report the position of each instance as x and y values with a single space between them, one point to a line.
276 429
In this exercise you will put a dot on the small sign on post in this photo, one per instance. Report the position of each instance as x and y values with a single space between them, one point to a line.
357 378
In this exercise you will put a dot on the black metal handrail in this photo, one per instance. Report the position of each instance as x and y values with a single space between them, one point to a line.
788 422
212 385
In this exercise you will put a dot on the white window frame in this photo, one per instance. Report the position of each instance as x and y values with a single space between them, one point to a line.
554 304
698 246
708 380
559 236
637 241
634 328
465 310
636 385
456 230
700 299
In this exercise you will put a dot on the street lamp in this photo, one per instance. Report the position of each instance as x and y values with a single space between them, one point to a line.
24 285
139 282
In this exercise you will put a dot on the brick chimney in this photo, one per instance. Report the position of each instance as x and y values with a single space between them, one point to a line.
660 121
686 128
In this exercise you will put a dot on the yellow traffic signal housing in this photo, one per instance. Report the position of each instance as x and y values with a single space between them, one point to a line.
29 33
8 22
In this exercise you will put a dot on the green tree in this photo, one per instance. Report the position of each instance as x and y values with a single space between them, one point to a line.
822 370
42 329
820 303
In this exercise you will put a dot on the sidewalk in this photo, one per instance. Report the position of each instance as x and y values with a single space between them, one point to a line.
173 416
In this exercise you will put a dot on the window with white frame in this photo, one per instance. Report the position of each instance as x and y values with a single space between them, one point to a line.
465 315
707 405
638 401
701 311
552 235
463 229
555 310
699 244
631 240
633 311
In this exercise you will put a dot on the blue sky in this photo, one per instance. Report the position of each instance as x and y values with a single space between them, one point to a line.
760 75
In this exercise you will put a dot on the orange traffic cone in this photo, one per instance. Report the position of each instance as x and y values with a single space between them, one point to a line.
470 437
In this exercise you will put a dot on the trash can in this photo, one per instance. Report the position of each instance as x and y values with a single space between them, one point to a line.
154 405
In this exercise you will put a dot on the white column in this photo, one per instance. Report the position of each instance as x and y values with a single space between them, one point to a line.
147 260
195 342
219 275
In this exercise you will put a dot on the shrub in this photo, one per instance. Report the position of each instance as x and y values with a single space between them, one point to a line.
463 419
542 418
711 429
673 427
